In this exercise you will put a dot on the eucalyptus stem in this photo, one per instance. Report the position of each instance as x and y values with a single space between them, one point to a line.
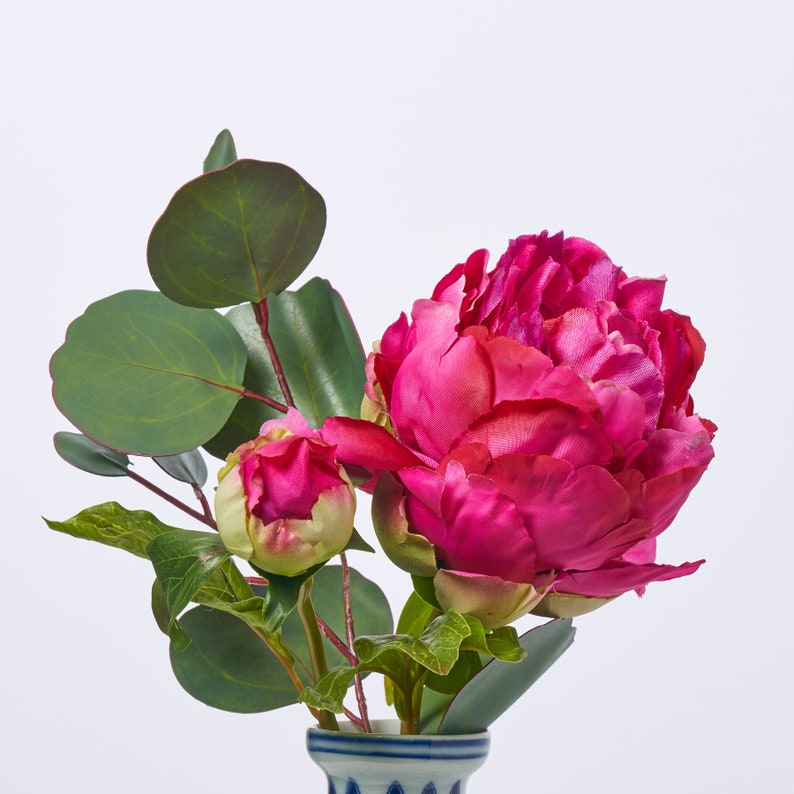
204 518
262 319
357 685
205 505
314 640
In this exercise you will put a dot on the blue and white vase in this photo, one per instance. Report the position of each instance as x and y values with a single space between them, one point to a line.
388 763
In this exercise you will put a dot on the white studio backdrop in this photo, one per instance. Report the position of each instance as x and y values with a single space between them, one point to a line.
662 132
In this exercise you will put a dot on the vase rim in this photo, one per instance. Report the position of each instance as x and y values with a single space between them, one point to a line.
389 730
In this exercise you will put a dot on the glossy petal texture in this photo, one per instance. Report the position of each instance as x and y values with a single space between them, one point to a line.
544 424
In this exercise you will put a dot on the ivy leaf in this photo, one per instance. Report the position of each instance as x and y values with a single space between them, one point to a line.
88 455
114 525
234 235
142 374
183 561
498 685
329 692
435 649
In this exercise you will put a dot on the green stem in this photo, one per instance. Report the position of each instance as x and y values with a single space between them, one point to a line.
314 639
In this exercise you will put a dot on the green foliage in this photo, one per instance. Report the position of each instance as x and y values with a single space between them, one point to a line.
113 525
321 354
238 234
222 153
88 455
218 667
227 666
495 688
186 467
183 561
142 374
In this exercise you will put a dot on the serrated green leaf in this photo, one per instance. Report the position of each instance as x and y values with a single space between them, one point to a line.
237 234
501 643
228 667
222 153
499 684
86 454
114 525
183 561
436 649
142 374
329 692
321 354
186 467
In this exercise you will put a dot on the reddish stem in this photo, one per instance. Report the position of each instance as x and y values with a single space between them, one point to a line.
262 317
358 686
208 520
275 404
329 633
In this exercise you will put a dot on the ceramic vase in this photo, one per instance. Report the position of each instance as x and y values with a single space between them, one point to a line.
386 762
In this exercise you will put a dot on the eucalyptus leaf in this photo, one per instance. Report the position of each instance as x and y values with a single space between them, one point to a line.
183 561
320 352
88 455
188 467
142 374
222 153
228 667
238 234
499 684
114 525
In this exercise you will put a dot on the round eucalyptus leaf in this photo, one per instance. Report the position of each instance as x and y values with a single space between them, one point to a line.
142 374
235 235
228 667
187 467
86 454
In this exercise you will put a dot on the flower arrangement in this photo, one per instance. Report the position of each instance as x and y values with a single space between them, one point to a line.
526 435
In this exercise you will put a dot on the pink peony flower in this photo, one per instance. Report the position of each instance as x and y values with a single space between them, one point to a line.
283 502
543 431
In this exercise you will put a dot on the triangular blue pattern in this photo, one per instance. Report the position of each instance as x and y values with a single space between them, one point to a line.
455 788
352 787
331 789
395 788
429 789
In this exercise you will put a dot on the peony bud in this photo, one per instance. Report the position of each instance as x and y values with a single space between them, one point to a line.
283 502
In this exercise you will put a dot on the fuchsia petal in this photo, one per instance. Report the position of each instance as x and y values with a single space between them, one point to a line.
364 444
599 284
523 373
541 427
659 499
439 391
623 415
642 297
578 518
619 577
470 513
576 339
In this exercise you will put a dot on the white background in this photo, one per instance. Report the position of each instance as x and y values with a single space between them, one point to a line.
662 131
